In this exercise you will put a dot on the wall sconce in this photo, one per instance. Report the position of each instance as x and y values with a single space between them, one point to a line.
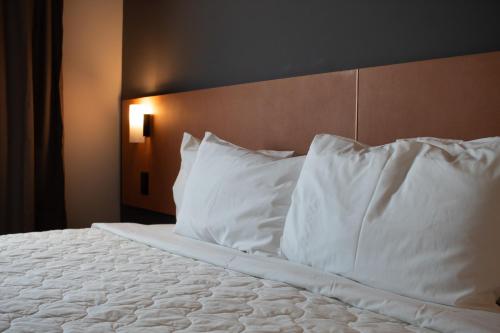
140 117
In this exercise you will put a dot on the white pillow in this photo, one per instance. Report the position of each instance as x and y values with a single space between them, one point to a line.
189 150
417 217
236 197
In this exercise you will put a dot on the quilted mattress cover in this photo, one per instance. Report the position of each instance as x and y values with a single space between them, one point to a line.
133 278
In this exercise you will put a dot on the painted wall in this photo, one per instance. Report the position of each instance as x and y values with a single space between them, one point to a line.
176 45
92 53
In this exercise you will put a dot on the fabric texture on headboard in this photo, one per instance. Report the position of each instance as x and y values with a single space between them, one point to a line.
282 114
455 97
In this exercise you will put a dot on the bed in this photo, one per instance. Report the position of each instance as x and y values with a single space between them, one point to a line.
131 278
124 277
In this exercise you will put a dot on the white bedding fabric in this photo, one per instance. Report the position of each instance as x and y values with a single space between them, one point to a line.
97 280
237 197
189 149
417 217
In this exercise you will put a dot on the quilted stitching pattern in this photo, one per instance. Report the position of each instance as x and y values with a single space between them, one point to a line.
89 280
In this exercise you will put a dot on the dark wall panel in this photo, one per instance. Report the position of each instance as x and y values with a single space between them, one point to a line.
177 45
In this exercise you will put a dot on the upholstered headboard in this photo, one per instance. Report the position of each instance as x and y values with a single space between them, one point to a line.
455 97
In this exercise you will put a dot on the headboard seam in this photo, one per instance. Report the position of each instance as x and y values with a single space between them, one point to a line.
356 112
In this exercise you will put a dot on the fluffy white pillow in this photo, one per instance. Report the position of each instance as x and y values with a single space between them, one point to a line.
417 217
236 197
189 150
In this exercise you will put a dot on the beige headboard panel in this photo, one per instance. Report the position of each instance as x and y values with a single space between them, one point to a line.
453 97
278 114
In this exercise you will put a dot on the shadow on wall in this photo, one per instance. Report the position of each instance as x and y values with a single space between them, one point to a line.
92 50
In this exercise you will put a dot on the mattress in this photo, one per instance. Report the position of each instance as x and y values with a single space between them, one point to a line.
133 278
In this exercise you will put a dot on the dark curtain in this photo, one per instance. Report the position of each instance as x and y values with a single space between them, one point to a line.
31 130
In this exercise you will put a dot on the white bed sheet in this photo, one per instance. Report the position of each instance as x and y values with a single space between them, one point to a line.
97 280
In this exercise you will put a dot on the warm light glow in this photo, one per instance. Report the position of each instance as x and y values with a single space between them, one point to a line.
136 114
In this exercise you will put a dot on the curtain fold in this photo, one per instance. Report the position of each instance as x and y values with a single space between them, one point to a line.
31 161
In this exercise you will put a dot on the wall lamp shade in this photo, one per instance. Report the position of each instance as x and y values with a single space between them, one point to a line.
140 122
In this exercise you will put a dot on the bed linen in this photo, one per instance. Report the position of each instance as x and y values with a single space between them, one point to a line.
417 217
188 151
130 278
237 197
